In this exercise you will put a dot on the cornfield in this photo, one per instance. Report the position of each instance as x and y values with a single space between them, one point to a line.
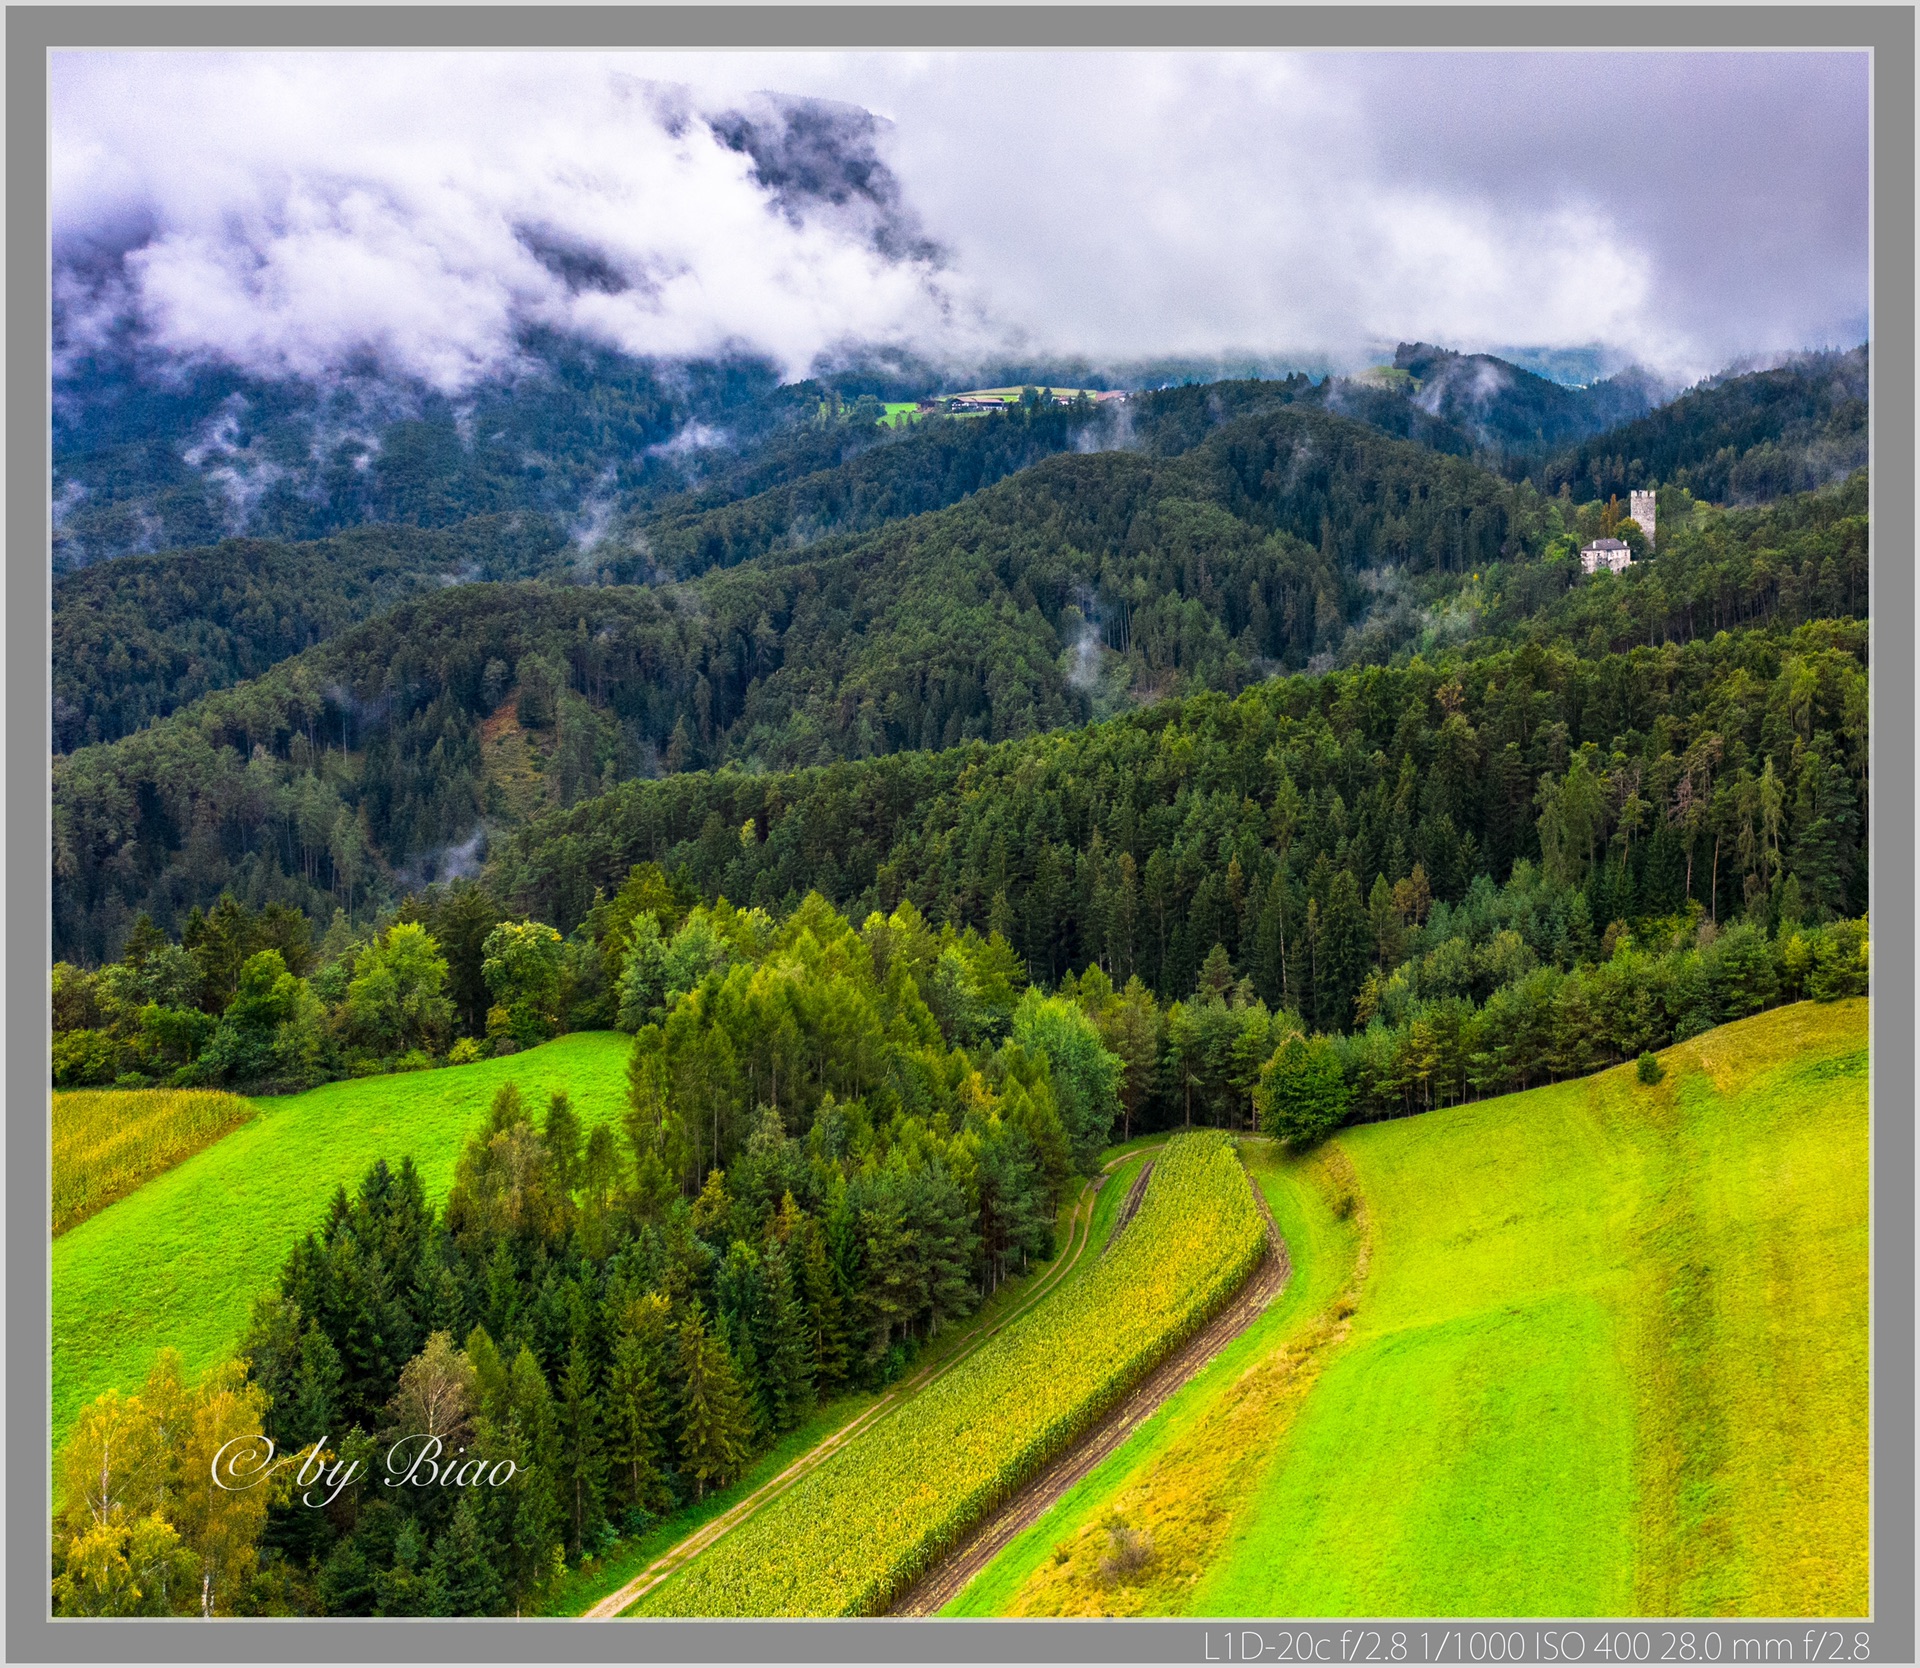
853 1535
107 1142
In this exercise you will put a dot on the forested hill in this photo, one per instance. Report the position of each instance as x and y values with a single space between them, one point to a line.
137 637
1743 439
1475 404
926 467
1800 558
1084 584
1721 771
1087 585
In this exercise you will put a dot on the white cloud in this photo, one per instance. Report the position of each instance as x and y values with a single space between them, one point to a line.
316 208
290 211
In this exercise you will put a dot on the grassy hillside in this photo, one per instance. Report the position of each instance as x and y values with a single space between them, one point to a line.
179 1262
1609 1356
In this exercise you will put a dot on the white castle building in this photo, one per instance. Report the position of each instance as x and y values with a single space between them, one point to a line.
1604 553
1613 554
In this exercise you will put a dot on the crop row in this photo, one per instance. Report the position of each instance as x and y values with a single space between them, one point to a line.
107 1142
850 1537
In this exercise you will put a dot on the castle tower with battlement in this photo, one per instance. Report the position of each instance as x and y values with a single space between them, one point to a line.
1641 509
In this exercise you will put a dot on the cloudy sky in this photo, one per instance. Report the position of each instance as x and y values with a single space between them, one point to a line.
292 213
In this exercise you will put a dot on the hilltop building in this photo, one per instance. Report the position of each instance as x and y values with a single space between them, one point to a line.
1642 512
1610 554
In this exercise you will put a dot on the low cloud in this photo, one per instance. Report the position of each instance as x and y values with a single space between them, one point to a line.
304 214
295 215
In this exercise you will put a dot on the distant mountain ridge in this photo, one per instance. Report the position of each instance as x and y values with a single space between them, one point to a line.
1741 439
151 455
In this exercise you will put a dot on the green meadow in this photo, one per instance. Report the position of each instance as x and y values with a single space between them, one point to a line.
179 1262
1595 1349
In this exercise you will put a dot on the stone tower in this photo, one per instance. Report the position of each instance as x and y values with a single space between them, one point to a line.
1642 511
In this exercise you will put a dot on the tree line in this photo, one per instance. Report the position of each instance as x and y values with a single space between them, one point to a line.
1730 774
1712 772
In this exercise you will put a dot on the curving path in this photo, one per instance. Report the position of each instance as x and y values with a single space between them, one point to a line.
942 1584
1079 1234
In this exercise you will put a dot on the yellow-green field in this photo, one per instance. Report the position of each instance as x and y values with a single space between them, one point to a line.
179 1262
1606 1354
1042 1283
107 1142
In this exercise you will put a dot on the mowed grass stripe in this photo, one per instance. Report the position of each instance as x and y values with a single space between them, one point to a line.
1177 1476
851 1536
179 1262
1611 1357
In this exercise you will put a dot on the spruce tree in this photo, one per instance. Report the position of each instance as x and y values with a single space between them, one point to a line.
636 1409
536 1520
410 1586
826 1316
583 1459
1343 953
886 1258
741 1323
943 1224
561 1138
463 1566
714 1423
789 1349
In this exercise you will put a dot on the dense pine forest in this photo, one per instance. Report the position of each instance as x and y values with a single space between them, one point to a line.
136 638
1042 711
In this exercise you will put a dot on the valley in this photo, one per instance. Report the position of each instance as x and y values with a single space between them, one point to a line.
1125 1007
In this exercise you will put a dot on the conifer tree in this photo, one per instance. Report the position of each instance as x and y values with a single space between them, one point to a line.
636 1407
531 1440
826 1316
885 1260
714 1421
462 1568
789 1350
583 1457
561 1137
